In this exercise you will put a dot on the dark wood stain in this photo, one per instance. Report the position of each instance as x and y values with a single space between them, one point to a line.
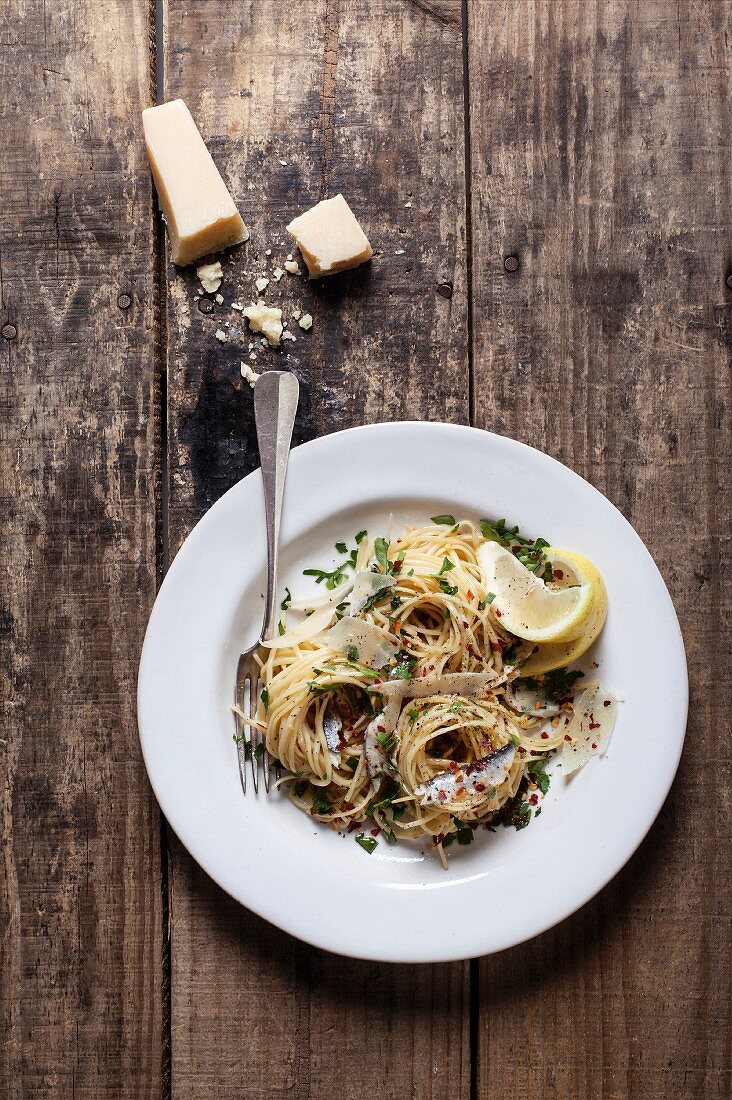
599 242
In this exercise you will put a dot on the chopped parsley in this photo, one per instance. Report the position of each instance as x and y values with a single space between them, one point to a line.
321 805
489 598
352 653
360 537
405 666
448 589
341 548
447 520
559 683
381 551
529 553
280 628
352 762
446 566
287 600
265 699
368 843
537 772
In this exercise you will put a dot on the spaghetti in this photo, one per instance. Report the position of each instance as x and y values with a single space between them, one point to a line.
394 702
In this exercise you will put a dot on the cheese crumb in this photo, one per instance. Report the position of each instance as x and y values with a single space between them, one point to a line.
237 305
292 266
267 320
220 335
261 285
297 314
250 375
400 252
306 322
289 255
220 299
278 273
289 336
210 276
407 206
268 252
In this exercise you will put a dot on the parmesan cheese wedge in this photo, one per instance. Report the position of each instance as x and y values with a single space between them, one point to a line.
199 211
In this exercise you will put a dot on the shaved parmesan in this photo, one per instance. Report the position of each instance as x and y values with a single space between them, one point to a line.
375 645
589 732
365 585
378 732
447 683
328 598
305 630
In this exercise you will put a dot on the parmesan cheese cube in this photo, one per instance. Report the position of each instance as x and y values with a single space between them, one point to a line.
199 211
330 238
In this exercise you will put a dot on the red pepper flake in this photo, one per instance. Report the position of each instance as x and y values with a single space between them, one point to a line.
480 787
439 838
442 796
558 574
469 594
376 831
533 799
347 805
460 792
544 734
567 737
594 744
396 566
595 725
498 614
495 647
454 767
606 702
521 750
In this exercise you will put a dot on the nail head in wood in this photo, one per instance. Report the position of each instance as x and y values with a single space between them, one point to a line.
124 301
205 305
511 264
444 290
10 332
729 281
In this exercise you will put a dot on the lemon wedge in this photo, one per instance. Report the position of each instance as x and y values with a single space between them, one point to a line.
525 605
575 569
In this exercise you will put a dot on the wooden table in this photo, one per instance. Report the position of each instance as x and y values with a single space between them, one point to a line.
589 139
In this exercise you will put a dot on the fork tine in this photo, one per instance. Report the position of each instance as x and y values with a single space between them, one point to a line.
240 737
253 732
266 761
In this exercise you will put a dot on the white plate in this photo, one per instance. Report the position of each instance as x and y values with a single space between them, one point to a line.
398 904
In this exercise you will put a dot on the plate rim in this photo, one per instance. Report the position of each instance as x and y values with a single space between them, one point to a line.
311 934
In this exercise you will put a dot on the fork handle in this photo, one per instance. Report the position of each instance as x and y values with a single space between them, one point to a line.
275 404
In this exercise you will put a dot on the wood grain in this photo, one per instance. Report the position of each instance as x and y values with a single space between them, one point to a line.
600 154
371 107
80 902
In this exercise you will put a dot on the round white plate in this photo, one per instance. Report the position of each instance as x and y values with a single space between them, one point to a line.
398 904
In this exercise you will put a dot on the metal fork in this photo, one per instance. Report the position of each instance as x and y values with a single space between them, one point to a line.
275 404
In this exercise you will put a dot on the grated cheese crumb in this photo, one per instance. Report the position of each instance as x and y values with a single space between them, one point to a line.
297 314
220 335
261 285
210 276
237 305
289 336
219 299
306 322
250 375
292 266
278 273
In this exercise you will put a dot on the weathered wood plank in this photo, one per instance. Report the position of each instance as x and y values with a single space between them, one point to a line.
80 901
372 107
600 153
